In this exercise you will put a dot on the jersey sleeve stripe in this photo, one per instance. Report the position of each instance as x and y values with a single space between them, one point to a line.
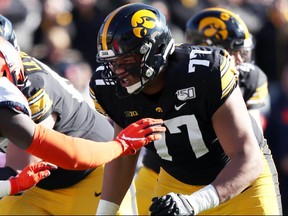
37 96
228 76
261 91
97 106
259 97
91 93
40 103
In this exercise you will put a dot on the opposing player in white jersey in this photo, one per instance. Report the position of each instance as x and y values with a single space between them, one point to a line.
11 97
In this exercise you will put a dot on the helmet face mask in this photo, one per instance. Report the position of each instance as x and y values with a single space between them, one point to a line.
222 28
246 54
128 65
137 30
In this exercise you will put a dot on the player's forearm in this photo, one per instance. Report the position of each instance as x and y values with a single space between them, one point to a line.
238 174
117 180
74 153
18 128
118 172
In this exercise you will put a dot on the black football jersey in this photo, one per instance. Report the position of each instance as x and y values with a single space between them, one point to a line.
253 85
254 88
198 81
48 93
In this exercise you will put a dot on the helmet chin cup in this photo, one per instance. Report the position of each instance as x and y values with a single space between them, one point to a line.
134 88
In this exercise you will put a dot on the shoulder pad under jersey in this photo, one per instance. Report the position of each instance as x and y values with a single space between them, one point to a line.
12 97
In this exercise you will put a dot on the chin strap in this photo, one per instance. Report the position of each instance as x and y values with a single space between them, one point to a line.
137 87
133 88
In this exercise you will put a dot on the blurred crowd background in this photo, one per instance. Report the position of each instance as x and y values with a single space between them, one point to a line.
63 34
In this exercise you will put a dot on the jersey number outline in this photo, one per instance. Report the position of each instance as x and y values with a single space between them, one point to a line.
195 137
193 61
173 125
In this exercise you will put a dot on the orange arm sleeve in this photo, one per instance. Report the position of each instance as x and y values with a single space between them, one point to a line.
71 152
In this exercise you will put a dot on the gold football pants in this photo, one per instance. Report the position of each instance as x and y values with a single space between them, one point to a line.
145 182
262 197
79 199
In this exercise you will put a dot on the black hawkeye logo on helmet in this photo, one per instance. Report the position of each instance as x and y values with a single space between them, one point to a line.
143 21
215 27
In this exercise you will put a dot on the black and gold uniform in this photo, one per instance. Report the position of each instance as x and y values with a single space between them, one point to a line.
190 154
64 191
254 88
253 84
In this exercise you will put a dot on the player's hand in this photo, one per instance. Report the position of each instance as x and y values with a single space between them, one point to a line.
30 176
139 134
171 204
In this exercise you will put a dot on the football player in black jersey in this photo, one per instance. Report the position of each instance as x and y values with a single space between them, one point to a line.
210 158
56 105
223 28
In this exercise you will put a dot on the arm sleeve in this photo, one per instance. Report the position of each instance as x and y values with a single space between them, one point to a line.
71 152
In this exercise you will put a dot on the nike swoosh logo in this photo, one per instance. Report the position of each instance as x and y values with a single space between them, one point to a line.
97 194
179 107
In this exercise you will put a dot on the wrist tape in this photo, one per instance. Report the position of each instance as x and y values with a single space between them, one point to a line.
5 188
203 199
107 208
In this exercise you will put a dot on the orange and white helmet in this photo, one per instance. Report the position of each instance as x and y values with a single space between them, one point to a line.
11 65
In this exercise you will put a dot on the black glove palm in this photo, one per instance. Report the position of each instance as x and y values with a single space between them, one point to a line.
171 204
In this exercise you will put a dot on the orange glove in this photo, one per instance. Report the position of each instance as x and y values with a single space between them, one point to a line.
30 176
139 134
